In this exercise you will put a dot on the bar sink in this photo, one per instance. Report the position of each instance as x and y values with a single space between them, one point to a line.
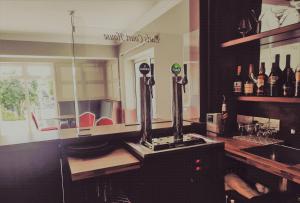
280 153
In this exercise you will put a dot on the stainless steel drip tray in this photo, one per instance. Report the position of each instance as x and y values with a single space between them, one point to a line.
169 142
190 141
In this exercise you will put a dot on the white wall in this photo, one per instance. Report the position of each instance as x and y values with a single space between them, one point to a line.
267 55
172 26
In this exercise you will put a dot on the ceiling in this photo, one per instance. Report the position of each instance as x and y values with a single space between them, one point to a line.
49 20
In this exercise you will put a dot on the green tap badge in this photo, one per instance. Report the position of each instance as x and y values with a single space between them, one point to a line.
176 68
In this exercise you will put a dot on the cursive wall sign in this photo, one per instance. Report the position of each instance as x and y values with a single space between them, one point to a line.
140 37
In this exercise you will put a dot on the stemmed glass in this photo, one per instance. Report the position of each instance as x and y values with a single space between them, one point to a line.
278 12
244 26
250 129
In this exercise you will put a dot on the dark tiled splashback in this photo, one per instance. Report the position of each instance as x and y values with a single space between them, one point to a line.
274 123
288 114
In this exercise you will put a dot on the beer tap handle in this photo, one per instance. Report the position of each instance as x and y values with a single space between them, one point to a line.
151 79
151 91
184 80
152 70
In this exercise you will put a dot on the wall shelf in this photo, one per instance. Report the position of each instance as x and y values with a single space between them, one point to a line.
268 37
269 99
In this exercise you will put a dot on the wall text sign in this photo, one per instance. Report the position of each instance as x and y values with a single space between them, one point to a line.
139 37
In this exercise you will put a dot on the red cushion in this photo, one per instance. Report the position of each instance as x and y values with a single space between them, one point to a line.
49 128
87 120
104 121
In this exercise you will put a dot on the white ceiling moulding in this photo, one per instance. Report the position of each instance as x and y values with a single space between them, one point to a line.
80 38
132 49
29 48
56 57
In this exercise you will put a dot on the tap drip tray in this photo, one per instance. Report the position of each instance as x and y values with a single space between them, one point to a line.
169 142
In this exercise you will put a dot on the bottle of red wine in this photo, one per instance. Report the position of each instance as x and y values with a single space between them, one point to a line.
249 83
274 81
297 86
288 79
262 81
238 82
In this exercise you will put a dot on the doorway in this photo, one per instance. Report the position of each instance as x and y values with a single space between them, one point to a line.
137 64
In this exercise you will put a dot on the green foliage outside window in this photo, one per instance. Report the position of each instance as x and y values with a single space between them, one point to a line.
13 97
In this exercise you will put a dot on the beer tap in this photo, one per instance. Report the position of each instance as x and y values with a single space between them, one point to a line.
146 84
178 83
151 81
184 80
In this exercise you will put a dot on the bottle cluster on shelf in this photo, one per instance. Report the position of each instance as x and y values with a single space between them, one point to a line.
279 83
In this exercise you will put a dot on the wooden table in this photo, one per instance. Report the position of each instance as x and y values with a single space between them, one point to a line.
69 118
117 161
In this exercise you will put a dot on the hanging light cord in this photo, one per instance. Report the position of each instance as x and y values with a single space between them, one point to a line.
73 31
74 72
76 106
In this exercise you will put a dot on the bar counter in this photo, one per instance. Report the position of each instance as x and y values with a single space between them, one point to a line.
117 131
233 149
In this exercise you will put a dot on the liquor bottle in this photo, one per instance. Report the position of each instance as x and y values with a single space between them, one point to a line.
297 86
288 79
278 69
249 84
262 81
238 82
274 82
224 118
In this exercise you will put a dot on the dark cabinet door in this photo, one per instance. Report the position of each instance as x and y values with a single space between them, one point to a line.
30 173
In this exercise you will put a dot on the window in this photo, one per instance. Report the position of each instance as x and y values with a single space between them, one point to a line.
25 88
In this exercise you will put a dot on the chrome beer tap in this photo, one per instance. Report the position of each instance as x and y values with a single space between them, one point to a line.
146 84
178 84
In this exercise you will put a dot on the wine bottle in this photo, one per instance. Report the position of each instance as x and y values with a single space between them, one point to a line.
274 81
288 79
224 118
238 82
297 86
249 84
262 81
279 72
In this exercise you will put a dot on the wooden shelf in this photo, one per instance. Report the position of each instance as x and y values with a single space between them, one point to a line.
268 37
119 160
269 99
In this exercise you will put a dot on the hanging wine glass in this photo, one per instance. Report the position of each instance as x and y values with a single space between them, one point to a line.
244 26
256 20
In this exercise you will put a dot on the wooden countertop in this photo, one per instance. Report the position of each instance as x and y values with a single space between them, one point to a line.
233 149
71 133
113 129
119 160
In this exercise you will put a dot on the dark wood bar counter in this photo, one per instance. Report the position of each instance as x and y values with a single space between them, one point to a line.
234 149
